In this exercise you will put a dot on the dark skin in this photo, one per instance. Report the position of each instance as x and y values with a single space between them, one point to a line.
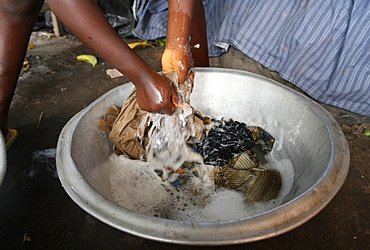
188 21
154 91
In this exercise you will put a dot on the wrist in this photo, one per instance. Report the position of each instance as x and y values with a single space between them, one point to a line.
140 74
178 42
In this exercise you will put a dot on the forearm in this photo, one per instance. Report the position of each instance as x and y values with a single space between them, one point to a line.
86 20
180 14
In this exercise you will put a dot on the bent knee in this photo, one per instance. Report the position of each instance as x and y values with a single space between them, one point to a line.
20 8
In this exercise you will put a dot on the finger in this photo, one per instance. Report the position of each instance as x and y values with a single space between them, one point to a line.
182 76
186 74
178 103
183 105
175 99
191 75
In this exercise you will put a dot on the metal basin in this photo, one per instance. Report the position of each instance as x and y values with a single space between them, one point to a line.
2 158
305 133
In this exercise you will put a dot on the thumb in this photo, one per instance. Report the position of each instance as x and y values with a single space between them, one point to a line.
178 103
175 99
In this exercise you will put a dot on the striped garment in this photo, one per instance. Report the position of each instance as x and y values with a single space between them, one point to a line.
321 46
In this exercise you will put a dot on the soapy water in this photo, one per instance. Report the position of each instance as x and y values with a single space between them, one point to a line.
168 137
136 185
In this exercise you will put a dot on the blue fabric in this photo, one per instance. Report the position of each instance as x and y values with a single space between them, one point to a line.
321 46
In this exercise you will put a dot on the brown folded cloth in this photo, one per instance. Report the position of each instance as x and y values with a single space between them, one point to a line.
107 121
124 128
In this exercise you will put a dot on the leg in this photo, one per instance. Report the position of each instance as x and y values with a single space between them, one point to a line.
199 37
17 19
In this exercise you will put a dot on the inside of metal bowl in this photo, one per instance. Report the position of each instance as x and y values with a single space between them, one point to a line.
2 158
305 134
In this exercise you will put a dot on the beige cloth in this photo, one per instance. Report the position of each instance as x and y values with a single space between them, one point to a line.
124 128
107 121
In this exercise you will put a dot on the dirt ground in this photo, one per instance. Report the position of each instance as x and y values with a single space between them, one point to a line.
36 212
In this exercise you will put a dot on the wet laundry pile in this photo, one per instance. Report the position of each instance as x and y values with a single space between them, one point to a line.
237 153
155 137
180 143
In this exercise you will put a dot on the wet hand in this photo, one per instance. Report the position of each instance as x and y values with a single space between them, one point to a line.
158 95
179 60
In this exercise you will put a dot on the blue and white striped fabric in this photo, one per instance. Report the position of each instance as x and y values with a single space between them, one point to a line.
321 46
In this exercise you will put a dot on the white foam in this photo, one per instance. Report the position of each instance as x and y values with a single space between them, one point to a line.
167 139
137 187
